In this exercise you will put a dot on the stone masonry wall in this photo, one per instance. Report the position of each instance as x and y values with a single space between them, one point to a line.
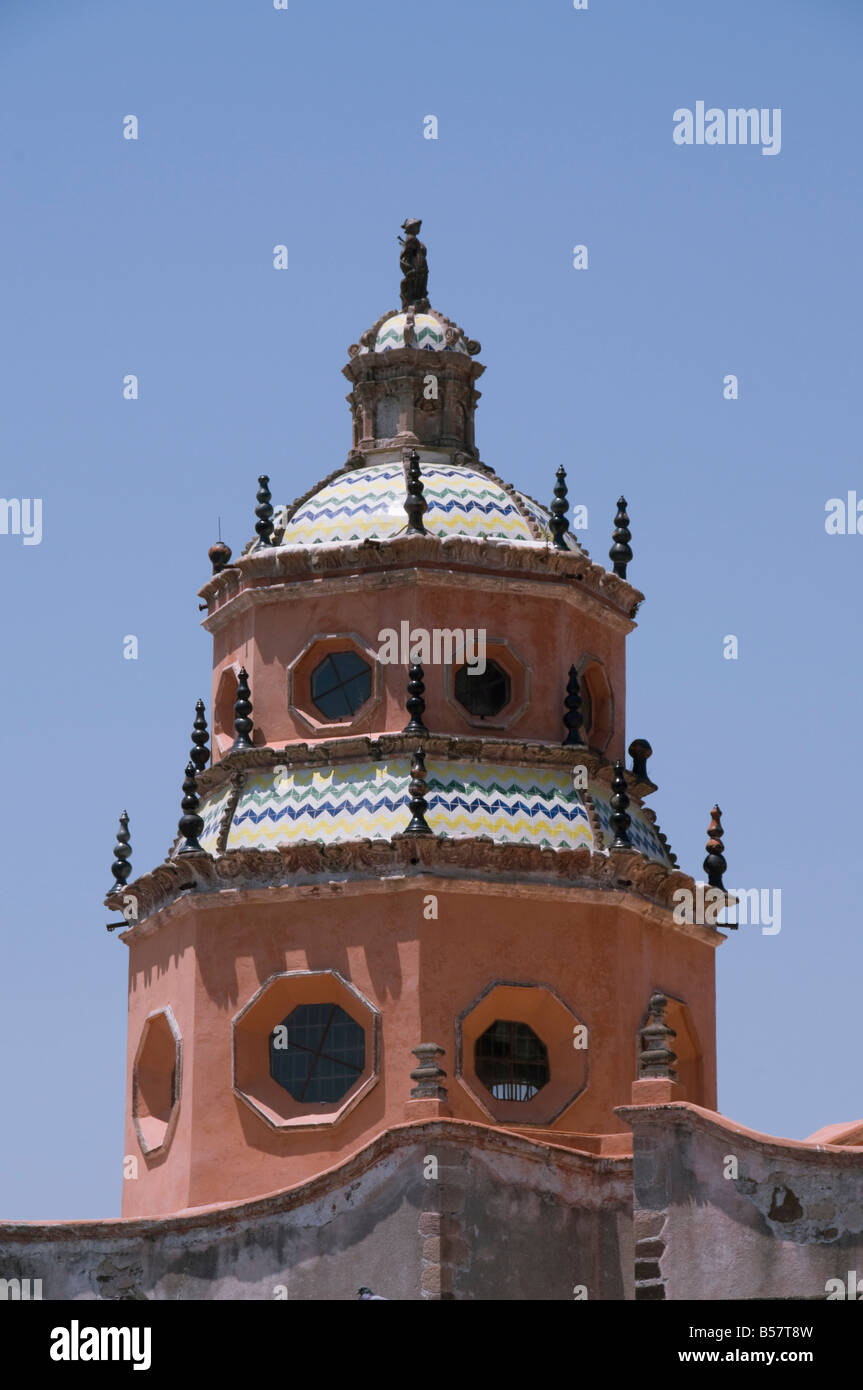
434 1210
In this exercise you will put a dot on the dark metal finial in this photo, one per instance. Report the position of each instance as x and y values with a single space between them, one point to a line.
714 864
122 865
620 817
418 787
414 266
657 1058
242 710
415 502
428 1075
200 753
415 704
190 824
621 552
572 717
559 521
639 751
220 556
264 511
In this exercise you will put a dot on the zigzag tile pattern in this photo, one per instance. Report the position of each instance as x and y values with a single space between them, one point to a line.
528 806
211 811
543 520
366 800
641 832
369 502
429 333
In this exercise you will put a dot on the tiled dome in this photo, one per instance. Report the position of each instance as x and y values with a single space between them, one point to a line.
428 332
414 328
367 800
369 503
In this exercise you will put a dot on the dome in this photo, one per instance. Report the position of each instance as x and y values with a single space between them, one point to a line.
414 328
368 503
428 332
367 799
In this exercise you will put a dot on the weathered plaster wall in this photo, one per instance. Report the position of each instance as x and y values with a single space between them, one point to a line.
790 1219
504 1218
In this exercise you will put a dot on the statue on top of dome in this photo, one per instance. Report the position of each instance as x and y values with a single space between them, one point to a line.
414 266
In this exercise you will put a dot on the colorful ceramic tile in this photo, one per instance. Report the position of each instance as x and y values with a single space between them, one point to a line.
641 832
369 502
513 805
429 333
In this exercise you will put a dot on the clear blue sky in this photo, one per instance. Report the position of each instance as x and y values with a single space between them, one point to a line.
154 257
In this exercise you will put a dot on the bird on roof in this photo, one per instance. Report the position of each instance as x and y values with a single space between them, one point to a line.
366 1294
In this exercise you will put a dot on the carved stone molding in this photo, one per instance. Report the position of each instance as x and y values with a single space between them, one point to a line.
250 575
311 861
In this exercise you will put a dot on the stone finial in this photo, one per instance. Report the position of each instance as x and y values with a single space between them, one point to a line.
620 817
242 710
190 824
122 865
415 502
220 556
415 704
621 552
264 511
200 754
639 751
414 266
559 521
656 1058
572 717
714 864
428 1075
418 804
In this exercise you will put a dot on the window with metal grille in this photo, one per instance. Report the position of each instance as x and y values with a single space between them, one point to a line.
317 1053
482 695
511 1061
341 683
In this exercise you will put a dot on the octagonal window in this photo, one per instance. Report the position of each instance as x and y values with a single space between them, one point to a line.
511 1061
317 1053
482 695
340 684
156 1080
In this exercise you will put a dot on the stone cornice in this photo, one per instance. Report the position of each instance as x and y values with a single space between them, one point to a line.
411 362
408 856
683 1114
266 576
449 747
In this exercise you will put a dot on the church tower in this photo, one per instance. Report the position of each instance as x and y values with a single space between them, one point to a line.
418 880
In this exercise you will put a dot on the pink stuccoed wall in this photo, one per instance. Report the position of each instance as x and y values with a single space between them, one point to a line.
546 631
206 956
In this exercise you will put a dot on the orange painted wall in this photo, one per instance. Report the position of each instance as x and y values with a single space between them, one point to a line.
537 624
209 957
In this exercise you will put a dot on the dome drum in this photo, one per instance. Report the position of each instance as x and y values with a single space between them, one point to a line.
413 396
